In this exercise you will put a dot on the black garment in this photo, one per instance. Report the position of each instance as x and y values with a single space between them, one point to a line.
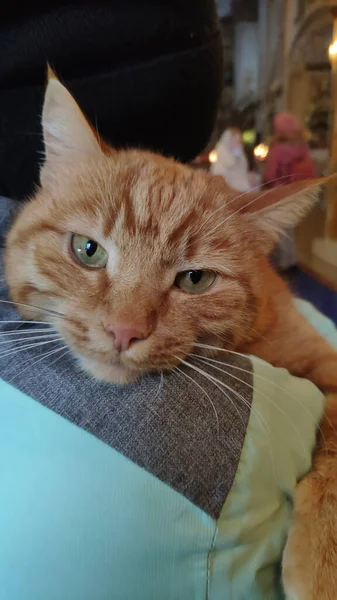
147 73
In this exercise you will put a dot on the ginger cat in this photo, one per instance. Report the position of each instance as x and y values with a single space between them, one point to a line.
140 260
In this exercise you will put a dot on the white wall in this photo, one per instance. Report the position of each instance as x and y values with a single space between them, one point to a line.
224 8
246 71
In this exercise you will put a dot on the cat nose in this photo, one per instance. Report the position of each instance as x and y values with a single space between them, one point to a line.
126 334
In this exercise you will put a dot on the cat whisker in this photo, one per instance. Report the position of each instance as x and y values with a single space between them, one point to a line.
210 347
22 348
30 338
263 337
279 387
282 389
220 385
67 351
26 332
205 361
46 310
161 383
205 393
27 322
216 382
233 391
30 364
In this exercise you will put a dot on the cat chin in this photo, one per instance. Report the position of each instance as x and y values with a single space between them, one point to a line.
112 373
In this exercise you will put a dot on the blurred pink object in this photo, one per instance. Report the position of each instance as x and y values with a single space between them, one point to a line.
285 123
288 157
288 162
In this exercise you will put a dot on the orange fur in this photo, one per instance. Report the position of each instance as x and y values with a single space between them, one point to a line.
156 218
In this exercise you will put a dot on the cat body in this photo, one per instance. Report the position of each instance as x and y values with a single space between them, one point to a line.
139 261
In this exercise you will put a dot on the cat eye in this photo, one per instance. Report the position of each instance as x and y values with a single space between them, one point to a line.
195 282
88 252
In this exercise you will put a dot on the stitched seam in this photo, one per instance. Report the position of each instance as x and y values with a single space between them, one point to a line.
209 559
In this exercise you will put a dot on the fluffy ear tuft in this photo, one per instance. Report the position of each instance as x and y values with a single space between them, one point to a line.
51 73
281 208
67 134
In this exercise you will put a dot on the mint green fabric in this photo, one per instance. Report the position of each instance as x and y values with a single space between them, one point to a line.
277 452
254 522
323 324
78 521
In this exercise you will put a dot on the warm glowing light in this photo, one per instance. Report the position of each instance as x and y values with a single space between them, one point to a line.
249 137
261 151
333 49
213 156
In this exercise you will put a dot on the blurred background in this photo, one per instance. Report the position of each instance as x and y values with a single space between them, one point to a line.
281 57
148 74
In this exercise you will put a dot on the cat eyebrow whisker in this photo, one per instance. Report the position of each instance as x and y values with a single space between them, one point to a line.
245 206
238 211
257 187
46 310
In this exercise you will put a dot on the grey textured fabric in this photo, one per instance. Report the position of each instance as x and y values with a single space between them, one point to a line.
8 209
167 426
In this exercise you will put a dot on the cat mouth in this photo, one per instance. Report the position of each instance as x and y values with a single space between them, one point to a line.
125 367
112 371
115 363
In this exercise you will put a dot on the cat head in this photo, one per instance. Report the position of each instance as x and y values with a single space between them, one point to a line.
136 258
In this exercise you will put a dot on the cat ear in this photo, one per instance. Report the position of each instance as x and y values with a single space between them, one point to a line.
280 208
67 135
